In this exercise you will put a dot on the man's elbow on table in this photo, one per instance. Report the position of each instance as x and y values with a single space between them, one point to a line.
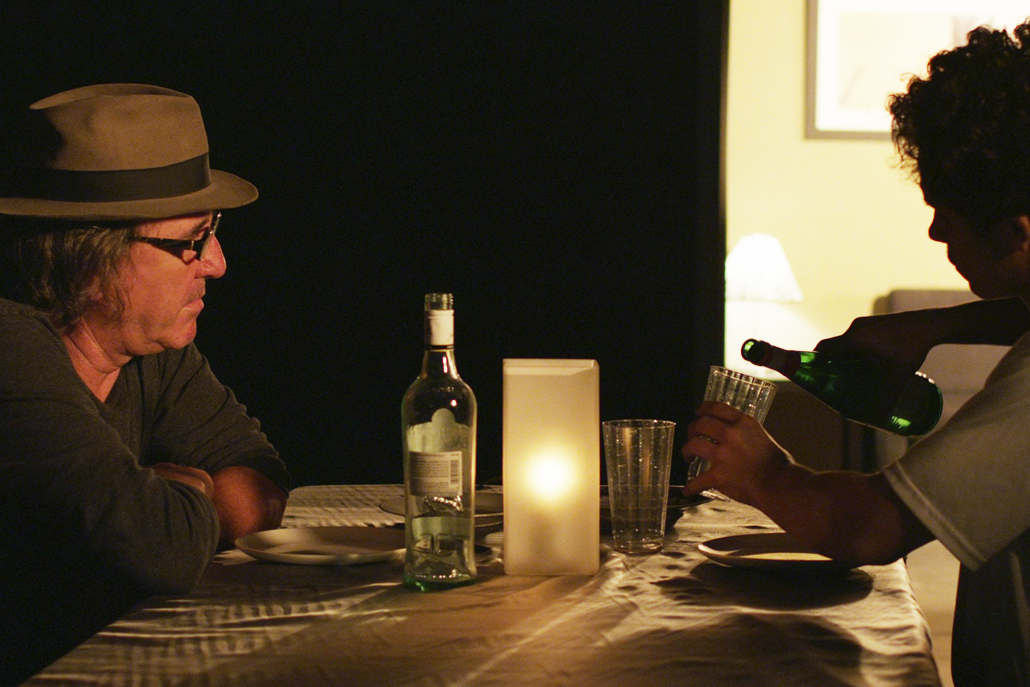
887 530
847 516
246 502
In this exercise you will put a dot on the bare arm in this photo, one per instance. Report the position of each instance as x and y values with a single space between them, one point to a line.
848 516
905 338
999 321
246 502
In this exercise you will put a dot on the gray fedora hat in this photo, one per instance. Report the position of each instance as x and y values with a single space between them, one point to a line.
116 152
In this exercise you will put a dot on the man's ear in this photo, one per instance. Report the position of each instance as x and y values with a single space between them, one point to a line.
1022 230
1011 236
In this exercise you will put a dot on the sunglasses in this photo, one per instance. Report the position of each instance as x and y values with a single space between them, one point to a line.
180 246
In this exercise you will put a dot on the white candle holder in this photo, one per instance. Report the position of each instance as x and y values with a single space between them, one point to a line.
552 467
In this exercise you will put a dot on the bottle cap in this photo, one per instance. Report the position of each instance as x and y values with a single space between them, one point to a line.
439 319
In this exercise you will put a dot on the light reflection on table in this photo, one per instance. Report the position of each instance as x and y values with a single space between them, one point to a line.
669 618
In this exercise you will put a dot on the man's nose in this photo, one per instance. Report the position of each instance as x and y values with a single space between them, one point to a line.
213 265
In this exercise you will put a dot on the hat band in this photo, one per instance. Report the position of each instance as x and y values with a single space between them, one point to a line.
178 179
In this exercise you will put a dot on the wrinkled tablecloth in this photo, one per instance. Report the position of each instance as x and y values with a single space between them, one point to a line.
673 618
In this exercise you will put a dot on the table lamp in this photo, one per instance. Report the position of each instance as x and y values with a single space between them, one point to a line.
757 269
759 285
551 467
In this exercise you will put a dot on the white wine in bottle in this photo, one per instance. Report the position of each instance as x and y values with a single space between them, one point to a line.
438 426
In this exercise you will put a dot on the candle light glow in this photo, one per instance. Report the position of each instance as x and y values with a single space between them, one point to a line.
551 467
552 476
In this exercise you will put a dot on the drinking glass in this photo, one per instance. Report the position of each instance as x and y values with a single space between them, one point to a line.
638 454
750 394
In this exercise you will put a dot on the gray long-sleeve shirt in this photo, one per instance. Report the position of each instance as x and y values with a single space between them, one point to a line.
86 529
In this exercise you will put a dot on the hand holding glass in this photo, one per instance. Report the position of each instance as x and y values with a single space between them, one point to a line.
752 395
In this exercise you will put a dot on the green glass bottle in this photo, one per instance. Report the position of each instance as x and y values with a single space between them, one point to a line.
438 427
855 387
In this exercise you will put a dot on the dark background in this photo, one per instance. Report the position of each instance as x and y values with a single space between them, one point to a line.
556 165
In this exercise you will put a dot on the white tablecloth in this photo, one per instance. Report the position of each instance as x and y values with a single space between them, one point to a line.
671 618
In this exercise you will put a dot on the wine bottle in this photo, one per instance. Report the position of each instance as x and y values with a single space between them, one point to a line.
854 386
438 426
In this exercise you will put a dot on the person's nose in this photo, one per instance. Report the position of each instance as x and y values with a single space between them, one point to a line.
213 265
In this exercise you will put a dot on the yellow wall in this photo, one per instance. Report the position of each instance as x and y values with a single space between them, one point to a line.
850 220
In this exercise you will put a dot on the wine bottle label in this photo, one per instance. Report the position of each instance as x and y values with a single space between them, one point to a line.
435 474
440 327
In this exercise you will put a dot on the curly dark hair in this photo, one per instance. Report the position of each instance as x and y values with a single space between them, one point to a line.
965 128
65 268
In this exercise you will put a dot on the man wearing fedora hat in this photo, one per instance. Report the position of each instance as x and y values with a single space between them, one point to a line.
123 461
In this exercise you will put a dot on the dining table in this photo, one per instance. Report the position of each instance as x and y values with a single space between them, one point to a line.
681 616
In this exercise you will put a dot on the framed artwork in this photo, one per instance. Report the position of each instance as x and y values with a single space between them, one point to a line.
862 51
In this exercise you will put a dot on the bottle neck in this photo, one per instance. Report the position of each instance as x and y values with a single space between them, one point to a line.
765 354
438 356
439 362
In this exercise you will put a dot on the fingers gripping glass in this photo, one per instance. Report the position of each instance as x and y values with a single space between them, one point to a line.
181 246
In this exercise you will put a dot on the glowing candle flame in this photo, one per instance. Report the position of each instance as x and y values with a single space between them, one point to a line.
552 477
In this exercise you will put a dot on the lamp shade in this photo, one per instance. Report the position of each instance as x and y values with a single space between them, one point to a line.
757 269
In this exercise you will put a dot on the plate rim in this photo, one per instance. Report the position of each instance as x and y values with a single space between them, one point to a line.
671 507
248 545
745 561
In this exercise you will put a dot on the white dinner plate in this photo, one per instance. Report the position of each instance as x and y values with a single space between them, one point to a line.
489 508
767 550
323 545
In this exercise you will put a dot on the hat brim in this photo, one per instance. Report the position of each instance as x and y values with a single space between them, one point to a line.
225 191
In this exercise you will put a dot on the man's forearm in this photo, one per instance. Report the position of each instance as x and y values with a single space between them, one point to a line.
845 515
999 321
246 502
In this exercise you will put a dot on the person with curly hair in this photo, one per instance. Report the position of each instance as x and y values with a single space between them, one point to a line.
124 462
964 131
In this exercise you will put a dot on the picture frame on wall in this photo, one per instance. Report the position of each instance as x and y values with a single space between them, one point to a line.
859 52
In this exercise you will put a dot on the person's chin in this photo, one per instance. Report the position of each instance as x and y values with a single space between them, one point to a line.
183 335
986 291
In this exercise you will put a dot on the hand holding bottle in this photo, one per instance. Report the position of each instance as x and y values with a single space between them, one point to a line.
898 343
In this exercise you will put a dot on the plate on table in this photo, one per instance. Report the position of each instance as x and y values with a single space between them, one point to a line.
323 545
489 508
767 551
677 502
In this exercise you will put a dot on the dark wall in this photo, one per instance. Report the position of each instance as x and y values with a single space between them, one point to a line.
556 165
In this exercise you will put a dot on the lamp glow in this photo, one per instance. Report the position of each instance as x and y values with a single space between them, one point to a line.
552 476
757 269
552 467
760 292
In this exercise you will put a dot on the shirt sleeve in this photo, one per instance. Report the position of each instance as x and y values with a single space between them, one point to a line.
198 422
969 482
69 486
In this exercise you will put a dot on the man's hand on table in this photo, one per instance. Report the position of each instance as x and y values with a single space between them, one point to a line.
195 477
